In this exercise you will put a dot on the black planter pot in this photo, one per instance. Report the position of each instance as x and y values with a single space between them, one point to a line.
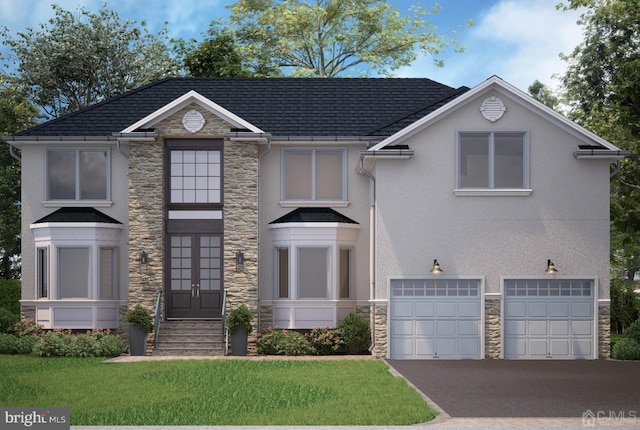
239 341
137 340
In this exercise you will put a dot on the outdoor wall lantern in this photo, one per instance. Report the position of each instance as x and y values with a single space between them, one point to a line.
436 270
551 268
239 261
144 258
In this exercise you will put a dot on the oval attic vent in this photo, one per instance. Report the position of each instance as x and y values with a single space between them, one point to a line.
492 108
193 121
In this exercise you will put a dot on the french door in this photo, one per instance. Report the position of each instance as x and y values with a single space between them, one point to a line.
194 287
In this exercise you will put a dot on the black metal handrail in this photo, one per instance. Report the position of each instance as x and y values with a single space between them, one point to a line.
158 319
224 322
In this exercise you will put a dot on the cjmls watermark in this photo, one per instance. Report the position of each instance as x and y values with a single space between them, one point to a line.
592 418
35 418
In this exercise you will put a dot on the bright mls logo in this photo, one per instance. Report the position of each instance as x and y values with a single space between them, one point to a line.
591 418
35 418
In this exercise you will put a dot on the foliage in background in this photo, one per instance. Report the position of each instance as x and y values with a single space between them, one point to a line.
8 320
327 38
628 347
10 295
625 305
78 59
356 333
602 91
544 95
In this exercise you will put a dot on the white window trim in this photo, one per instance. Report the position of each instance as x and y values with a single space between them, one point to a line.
284 202
48 202
526 190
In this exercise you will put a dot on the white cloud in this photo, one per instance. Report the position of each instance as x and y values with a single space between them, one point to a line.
518 40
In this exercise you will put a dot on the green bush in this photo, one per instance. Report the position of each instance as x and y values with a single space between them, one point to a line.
27 328
325 340
53 344
8 320
26 343
8 343
10 295
625 306
356 333
626 349
63 343
110 346
275 341
633 331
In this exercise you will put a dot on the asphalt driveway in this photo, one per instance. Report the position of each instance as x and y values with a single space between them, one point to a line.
523 388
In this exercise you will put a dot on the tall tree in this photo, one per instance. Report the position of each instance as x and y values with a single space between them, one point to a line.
218 55
15 114
543 94
79 59
602 88
328 38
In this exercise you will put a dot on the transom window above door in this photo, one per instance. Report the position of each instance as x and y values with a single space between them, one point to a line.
195 176
495 161
314 174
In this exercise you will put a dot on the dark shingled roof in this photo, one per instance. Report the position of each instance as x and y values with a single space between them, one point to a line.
280 106
78 215
313 215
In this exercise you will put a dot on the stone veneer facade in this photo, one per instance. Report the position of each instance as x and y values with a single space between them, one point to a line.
147 213
492 328
604 330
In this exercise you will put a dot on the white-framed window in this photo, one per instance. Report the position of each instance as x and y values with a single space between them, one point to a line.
314 174
196 176
42 269
108 280
493 160
78 174
282 273
74 273
313 273
345 269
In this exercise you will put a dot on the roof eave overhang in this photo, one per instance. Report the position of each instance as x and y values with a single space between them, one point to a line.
30 140
600 154
512 92
192 97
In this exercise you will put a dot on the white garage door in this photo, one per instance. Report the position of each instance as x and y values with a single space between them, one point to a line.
435 318
549 318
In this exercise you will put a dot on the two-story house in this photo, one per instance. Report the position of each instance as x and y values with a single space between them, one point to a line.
464 223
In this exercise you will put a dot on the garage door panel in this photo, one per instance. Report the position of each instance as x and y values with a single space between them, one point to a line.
446 328
435 318
402 347
469 328
582 310
559 309
537 348
537 328
537 309
425 328
402 310
559 328
558 322
425 309
425 348
403 328
515 328
445 309
582 328
469 309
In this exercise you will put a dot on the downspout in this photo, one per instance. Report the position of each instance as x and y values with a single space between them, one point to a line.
260 157
120 150
13 154
372 252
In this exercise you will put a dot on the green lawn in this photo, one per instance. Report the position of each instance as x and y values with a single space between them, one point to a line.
213 392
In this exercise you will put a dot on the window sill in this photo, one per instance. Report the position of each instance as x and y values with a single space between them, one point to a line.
77 203
484 192
314 203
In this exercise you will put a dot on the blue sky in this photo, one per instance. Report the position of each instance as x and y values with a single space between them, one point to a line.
518 40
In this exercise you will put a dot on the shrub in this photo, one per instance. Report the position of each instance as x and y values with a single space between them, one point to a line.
25 344
240 315
282 342
63 343
626 349
110 346
325 340
8 320
52 344
356 333
8 343
10 295
633 332
141 316
27 328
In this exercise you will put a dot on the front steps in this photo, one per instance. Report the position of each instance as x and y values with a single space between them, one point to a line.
190 338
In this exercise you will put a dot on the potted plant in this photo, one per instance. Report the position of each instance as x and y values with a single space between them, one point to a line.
239 325
140 324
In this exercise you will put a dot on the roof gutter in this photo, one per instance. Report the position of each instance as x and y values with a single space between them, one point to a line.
600 154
